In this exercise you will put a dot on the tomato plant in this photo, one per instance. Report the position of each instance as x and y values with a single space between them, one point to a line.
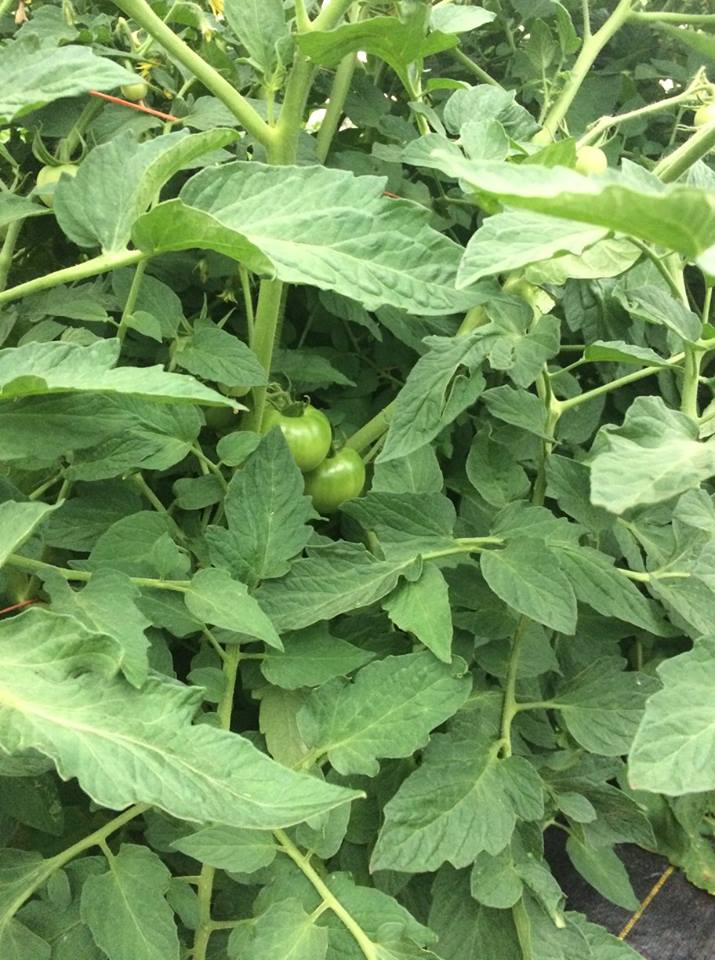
253 702
337 479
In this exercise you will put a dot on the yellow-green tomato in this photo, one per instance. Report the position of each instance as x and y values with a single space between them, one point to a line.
520 287
542 138
590 160
336 480
704 115
135 91
47 179
308 434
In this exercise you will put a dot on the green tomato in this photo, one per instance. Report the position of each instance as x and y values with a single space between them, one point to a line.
336 480
48 177
519 287
220 419
135 91
590 160
704 115
308 434
542 138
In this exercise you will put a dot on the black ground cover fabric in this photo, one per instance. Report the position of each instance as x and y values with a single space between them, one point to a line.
679 923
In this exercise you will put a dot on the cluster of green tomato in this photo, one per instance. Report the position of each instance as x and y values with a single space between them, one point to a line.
329 480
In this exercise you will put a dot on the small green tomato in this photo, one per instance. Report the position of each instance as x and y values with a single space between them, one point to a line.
135 91
704 115
591 160
47 179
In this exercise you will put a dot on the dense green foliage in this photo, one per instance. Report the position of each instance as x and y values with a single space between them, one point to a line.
356 444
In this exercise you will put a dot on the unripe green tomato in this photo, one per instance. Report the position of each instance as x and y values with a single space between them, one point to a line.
520 287
135 91
307 433
48 177
336 480
704 115
220 418
542 138
591 160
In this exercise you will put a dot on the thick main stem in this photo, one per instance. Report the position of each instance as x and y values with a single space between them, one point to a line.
592 46
206 926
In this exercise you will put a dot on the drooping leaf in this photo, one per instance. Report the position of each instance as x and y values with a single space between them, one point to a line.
216 598
422 607
332 580
126 908
32 75
653 456
677 217
18 522
267 515
527 576
462 800
259 25
37 369
313 225
92 216
397 42
130 746
674 748
603 705
388 711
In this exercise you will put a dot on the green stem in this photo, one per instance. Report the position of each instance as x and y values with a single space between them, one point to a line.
80 271
688 153
131 299
302 20
461 57
148 493
572 402
655 16
141 12
97 838
372 430
264 335
553 411
336 102
605 123
74 138
7 251
510 707
366 945
592 46
83 576
331 14
206 925
691 381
